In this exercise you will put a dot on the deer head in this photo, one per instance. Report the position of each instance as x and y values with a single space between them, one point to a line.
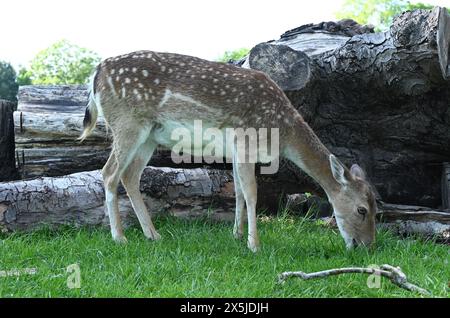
354 204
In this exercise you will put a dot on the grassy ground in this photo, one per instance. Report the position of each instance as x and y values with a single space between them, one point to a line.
201 259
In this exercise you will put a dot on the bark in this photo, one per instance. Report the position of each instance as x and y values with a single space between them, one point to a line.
8 169
79 198
423 221
379 99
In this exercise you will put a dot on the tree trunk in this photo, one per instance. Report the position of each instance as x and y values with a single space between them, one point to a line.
379 99
79 198
8 169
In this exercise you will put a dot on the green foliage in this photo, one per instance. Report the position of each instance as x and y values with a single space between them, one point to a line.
377 12
233 55
24 77
8 85
199 258
61 63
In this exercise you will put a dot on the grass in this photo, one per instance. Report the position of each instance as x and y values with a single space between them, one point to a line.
201 259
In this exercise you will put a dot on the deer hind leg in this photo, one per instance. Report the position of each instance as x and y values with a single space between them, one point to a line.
123 151
131 181
247 180
240 211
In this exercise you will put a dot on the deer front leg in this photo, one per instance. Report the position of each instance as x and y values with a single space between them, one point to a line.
247 180
240 210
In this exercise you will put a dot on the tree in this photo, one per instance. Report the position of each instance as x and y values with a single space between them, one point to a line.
62 63
8 85
376 12
233 55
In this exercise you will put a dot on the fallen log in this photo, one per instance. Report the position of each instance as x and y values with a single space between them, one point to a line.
407 220
78 198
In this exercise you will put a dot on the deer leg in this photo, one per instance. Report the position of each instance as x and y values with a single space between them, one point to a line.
123 151
247 179
131 181
240 211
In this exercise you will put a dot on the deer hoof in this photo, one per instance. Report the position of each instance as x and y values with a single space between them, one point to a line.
253 245
237 234
154 236
120 239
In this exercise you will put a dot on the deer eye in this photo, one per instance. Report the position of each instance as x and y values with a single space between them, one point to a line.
362 210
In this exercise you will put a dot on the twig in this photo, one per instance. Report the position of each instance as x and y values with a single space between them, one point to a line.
394 274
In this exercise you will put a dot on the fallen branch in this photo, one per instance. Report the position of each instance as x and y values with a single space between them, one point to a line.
394 274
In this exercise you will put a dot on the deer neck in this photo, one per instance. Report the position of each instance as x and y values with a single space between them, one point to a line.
306 151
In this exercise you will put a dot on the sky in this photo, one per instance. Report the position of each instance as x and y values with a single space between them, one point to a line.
203 28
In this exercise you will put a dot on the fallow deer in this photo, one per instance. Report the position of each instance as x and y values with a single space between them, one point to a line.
144 95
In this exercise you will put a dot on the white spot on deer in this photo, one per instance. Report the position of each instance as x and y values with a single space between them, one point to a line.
241 93
192 76
167 95
215 80
113 71
236 100
170 70
145 73
261 86
279 116
213 92
163 68
223 93
121 71
182 64
126 69
117 78
203 76
134 69
225 75
111 85
127 80
149 55
141 85
156 81
250 87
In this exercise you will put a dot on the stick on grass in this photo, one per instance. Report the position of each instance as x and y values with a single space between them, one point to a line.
394 274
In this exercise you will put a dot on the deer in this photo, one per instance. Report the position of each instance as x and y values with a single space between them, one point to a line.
144 95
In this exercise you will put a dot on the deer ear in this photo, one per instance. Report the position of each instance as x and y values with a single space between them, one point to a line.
338 170
357 171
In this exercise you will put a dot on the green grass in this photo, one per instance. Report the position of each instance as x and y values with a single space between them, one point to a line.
201 259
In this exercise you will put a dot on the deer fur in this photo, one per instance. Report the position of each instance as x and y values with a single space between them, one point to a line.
145 95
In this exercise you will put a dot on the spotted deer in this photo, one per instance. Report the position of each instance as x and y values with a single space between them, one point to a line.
145 95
